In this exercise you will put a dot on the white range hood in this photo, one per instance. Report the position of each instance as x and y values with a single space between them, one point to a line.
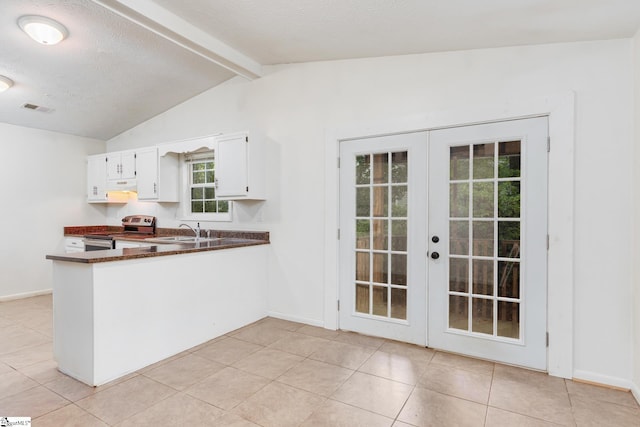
130 185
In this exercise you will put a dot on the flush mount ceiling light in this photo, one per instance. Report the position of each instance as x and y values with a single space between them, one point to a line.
5 83
43 30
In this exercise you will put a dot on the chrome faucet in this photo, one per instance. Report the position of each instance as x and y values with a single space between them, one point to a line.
196 231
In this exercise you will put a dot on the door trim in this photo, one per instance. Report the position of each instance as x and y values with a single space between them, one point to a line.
561 112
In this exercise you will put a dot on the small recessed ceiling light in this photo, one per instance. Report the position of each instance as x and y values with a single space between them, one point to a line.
42 29
5 83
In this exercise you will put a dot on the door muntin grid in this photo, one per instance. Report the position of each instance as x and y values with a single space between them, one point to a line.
380 285
484 275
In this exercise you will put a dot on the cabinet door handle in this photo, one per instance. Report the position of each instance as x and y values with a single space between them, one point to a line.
155 188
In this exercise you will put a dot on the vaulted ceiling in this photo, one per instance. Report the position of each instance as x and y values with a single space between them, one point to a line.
126 61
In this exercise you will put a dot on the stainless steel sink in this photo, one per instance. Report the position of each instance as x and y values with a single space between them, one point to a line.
180 239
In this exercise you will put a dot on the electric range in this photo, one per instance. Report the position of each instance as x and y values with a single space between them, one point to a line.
135 226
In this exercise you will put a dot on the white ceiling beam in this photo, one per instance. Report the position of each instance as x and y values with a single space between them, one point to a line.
175 29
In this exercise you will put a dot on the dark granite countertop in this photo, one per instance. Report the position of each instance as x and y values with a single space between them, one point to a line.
161 249
81 231
222 239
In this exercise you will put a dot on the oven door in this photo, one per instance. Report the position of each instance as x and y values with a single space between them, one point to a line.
98 244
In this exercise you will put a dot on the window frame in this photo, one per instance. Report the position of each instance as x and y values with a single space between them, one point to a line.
187 160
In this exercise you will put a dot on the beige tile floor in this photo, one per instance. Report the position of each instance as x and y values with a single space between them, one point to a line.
279 373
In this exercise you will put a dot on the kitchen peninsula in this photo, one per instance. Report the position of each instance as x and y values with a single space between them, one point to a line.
117 311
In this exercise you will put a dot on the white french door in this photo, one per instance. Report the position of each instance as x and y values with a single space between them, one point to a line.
382 243
443 239
488 241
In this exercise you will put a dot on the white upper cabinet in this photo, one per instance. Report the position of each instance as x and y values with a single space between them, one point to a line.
239 167
97 187
97 178
157 176
121 165
154 172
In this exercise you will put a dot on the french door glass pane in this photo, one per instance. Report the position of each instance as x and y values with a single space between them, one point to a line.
363 233
459 200
399 303
399 235
380 300
381 201
362 298
459 237
458 312
381 168
509 199
458 274
509 319
399 269
483 199
509 159
509 239
363 201
381 234
399 167
485 238
399 200
362 266
508 279
459 163
380 268
482 277
363 169
482 318
483 155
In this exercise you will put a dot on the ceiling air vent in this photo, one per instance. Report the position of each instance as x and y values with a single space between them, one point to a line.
35 107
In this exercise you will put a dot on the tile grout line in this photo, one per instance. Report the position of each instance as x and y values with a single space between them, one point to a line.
486 412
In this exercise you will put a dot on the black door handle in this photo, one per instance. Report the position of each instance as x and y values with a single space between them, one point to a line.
435 255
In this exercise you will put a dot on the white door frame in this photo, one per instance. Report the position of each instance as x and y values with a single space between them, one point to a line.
561 112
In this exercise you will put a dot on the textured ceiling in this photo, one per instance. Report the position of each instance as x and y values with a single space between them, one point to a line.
284 31
106 77
126 61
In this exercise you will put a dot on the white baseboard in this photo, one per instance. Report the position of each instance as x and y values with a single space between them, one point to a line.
635 390
306 321
25 295
604 380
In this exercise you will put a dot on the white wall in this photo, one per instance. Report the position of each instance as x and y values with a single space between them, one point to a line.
296 105
636 234
43 181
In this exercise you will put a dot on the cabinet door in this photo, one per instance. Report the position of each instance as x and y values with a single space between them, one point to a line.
231 166
128 165
121 165
147 173
96 178
113 166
